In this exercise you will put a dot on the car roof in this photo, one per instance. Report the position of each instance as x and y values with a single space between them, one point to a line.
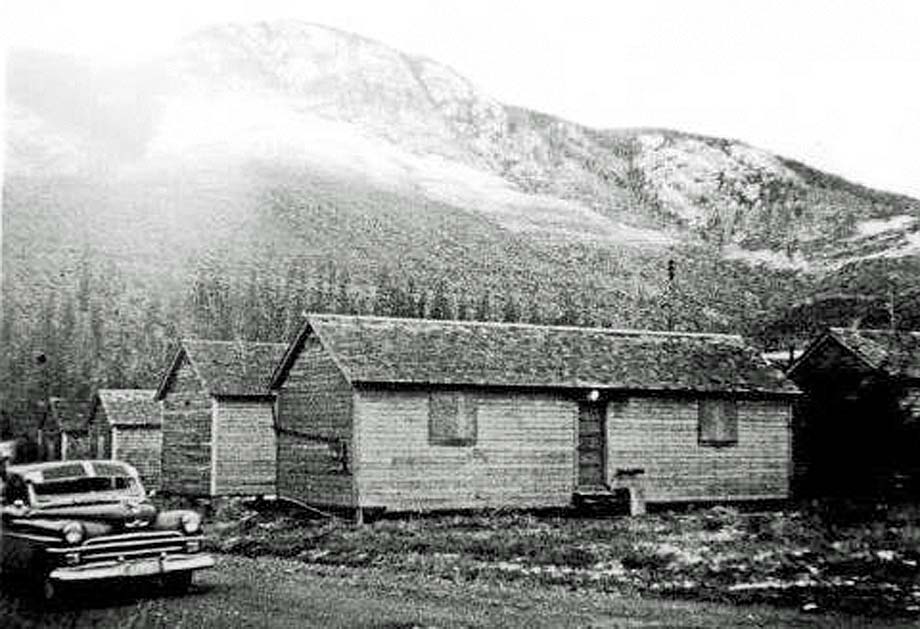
61 470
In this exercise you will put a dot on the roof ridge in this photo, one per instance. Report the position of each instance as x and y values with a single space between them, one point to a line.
233 342
506 324
875 330
861 355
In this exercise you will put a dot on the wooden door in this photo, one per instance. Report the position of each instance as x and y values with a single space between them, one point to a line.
592 445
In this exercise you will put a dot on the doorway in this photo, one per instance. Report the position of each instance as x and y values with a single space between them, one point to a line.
592 445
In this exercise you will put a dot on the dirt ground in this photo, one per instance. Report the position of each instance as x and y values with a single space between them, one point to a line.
865 564
269 592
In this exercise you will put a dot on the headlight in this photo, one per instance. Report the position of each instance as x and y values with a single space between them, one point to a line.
73 533
191 522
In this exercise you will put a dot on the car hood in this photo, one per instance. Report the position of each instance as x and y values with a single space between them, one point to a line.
97 519
122 512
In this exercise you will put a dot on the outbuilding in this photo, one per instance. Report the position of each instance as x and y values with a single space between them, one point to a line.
71 417
124 425
218 418
858 428
413 414
63 432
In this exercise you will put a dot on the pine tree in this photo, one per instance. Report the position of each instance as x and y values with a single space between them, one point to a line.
440 303
345 302
421 305
511 312
483 310
532 312
568 310
463 308
383 293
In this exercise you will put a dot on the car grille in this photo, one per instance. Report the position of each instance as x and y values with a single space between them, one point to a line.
133 545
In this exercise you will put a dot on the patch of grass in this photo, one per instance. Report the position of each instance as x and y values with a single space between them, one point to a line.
715 554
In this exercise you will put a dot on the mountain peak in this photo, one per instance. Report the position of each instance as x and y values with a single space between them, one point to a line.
333 73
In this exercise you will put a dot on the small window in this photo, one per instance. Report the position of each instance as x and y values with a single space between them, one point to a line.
718 422
451 419
322 455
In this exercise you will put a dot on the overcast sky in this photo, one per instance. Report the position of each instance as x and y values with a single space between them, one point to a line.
835 84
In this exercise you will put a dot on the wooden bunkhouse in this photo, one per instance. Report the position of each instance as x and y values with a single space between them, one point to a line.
218 419
124 424
857 430
403 414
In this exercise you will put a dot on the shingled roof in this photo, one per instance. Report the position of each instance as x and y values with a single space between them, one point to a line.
229 368
420 351
894 353
129 407
68 415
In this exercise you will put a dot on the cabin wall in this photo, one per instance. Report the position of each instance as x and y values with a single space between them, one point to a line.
660 435
523 455
853 438
50 444
314 431
100 434
186 460
245 447
140 446
75 445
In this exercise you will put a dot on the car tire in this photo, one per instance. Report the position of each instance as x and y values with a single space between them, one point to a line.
49 592
178 583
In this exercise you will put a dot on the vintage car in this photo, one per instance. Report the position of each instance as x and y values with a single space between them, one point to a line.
67 522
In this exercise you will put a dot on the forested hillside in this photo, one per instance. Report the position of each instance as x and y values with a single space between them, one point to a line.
260 171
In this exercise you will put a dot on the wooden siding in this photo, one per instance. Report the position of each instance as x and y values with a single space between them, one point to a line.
245 448
141 447
314 423
186 461
660 435
75 445
100 434
523 455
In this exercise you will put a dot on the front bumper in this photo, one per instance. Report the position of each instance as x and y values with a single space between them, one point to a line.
132 568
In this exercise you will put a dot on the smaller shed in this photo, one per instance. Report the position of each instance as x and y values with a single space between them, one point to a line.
124 424
71 417
218 418
63 431
858 430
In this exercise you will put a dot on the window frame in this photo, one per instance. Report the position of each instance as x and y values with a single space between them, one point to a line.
708 423
465 419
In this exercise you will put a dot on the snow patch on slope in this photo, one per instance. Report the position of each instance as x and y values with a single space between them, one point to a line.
874 227
767 257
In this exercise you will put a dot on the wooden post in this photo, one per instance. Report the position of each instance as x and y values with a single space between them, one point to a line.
669 294
359 516
892 314
636 500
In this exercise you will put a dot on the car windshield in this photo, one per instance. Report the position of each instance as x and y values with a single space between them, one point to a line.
87 489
